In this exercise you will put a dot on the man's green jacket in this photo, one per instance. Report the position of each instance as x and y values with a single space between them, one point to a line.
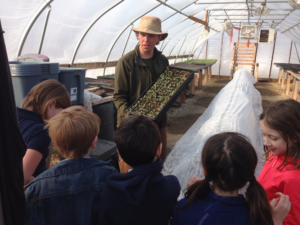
132 78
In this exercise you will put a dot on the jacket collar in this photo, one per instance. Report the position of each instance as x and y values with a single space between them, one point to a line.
236 200
30 115
67 166
138 58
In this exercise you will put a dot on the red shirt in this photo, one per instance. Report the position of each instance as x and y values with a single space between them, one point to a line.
286 181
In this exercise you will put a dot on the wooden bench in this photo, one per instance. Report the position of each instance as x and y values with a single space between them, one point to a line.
295 77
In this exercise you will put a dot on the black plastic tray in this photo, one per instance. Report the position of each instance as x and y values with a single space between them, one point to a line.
173 98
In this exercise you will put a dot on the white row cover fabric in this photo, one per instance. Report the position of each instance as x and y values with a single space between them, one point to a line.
236 108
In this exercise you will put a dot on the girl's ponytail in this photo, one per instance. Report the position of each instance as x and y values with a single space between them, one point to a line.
258 203
199 190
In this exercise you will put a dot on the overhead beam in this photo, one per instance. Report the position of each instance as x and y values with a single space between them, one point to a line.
88 29
30 24
197 20
165 4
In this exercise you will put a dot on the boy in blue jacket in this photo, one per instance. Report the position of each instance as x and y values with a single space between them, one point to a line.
69 193
143 195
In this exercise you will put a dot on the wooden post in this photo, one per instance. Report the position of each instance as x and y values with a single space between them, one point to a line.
256 72
279 76
282 80
272 57
181 98
221 54
200 79
288 82
297 85
239 32
206 49
209 73
206 17
192 86
205 76
291 51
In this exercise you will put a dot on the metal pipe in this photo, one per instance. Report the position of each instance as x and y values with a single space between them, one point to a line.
193 48
251 19
226 15
162 44
127 40
180 49
173 48
44 30
290 28
115 41
249 9
297 52
182 56
174 36
284 17
30 24
88 29
203 3
165 4
214 15
201 50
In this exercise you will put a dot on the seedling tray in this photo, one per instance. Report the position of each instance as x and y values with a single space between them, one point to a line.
155 101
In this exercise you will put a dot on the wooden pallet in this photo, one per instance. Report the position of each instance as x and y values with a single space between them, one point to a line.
243 55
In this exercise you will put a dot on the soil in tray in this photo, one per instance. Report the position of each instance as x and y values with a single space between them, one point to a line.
153 101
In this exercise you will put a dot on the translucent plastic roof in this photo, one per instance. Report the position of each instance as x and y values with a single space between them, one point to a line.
81 31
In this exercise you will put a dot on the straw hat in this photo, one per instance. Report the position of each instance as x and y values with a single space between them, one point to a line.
150 25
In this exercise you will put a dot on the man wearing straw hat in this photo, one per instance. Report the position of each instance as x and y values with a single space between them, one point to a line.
137 69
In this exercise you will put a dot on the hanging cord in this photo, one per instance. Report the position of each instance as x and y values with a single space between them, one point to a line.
297 52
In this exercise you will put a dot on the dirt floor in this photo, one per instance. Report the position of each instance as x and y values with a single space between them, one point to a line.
180 119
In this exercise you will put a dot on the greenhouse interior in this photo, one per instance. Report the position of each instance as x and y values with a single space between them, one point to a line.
195 68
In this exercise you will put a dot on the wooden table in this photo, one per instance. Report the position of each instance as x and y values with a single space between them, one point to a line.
296 77
283 68
99 91
202 72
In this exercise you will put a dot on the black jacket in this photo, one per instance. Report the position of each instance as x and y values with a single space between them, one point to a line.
142 196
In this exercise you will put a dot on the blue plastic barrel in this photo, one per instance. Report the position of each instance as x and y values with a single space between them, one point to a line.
26 75
74 80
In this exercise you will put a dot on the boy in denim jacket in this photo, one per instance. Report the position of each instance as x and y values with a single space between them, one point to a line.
142 195
69 193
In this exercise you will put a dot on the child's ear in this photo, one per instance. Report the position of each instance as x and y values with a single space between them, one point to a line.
51 104
94 142
158 151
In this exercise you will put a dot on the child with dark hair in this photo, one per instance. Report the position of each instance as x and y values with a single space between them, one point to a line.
280 124
143 195
229 162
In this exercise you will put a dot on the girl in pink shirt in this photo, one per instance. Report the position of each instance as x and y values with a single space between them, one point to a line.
280 125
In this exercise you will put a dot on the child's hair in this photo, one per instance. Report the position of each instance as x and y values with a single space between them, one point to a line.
73 131
229 161
42 94
137 140
284 117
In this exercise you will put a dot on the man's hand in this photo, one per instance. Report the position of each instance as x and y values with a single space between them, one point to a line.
192 180
281 207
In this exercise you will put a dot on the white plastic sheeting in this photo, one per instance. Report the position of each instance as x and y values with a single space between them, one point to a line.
106 35
236 108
